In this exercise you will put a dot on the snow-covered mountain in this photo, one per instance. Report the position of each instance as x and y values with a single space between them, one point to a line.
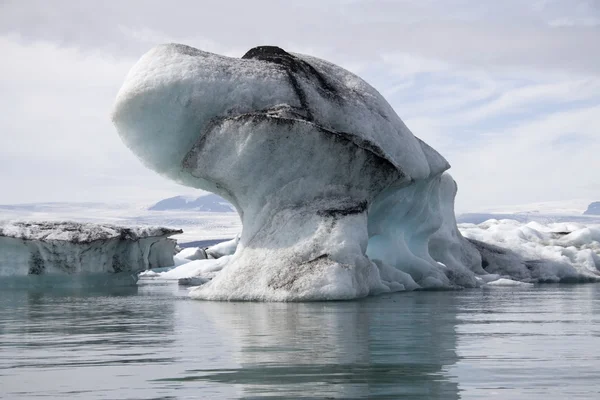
207 203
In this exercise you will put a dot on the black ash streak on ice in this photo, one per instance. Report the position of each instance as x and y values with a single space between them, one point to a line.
351 209
294 66
296 69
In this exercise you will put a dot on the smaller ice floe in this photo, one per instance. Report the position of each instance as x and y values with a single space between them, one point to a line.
188 274
213 252
535 252
504 282
194 269
191 254
35 253
488 278
44 248
224 248
194 266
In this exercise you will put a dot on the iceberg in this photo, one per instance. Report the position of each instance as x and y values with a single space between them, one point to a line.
535 252
194 265
70 248
338 199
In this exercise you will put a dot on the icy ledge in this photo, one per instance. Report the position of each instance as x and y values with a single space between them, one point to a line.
337 198
55 248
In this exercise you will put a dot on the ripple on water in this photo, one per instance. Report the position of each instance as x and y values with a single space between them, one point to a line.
153 342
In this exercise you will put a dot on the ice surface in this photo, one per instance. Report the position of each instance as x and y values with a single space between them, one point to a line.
175 95
192 253
191 269
196 262
225 248
503 282
74 232
536 252
413 230
47 248
337 198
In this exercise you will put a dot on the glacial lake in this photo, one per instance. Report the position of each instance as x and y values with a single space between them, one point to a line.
152 342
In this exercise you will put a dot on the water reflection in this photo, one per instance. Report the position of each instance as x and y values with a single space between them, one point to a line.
385 347
154 342
63 343
529 343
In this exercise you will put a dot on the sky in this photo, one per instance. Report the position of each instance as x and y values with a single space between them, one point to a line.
508 91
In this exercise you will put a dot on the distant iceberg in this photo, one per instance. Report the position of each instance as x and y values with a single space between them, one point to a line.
69 248
337 197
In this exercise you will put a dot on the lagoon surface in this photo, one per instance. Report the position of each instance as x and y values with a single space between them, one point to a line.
152 342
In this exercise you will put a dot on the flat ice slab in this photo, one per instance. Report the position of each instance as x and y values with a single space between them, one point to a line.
55 248
504 282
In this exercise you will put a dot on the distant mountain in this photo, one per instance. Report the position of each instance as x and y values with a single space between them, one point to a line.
207 203
593 209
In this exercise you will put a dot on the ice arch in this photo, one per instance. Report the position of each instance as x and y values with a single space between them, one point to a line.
337 197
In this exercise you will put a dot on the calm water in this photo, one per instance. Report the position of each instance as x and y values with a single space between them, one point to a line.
152 342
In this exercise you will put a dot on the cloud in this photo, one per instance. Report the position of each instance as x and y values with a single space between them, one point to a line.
553 157
507 91
512 136
487 34
57 139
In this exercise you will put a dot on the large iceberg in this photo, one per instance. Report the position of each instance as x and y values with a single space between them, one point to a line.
71 248
338 199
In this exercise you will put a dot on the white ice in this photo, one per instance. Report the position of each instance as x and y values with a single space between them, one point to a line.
195 262
504 282
190 254
536 252
49 248
337 198
192 269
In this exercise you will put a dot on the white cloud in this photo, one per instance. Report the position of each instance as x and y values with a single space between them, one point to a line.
57 139
507 91
563 22
553 157
511 136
